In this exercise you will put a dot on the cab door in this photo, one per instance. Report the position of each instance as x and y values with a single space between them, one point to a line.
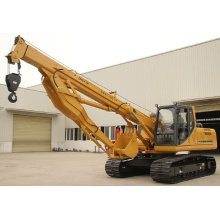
165 134
185 123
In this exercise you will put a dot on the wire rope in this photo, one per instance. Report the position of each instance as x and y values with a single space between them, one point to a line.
87 77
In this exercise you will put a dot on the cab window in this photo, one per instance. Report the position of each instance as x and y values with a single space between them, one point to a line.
165 127
182 125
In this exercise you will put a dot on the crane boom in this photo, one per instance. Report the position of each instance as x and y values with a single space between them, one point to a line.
62 86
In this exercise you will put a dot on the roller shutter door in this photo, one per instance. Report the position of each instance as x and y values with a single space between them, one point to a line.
211 120
31 134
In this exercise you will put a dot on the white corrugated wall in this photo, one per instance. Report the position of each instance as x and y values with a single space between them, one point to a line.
188 73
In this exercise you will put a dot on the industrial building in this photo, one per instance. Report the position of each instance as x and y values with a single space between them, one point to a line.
188 75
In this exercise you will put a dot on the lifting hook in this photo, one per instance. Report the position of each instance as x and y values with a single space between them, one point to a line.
13 81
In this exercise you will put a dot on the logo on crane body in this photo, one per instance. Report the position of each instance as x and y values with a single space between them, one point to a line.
83 80
107 94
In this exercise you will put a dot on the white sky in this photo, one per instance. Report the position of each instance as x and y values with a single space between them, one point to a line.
91 34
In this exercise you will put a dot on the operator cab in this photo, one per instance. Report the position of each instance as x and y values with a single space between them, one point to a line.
174 124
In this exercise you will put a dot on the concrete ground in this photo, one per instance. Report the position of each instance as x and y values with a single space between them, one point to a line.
75 169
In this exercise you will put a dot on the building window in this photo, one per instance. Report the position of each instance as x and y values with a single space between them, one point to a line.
71 134
106 131
67 137
84 137
79 136
113 133
76 133
87 138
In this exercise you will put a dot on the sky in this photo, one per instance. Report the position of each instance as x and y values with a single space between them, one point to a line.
88 35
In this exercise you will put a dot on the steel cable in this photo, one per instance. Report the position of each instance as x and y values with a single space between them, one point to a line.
87 77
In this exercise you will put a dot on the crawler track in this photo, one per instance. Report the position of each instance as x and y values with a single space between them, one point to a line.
172 169
117 168
123 168
176 169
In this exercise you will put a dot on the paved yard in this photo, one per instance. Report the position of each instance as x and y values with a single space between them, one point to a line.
75 169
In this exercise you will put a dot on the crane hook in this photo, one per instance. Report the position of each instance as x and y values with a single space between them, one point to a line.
13 81
12 97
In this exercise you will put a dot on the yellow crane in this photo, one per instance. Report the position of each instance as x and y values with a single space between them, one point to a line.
157 149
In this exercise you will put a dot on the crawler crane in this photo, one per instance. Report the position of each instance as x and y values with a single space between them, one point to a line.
157 149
